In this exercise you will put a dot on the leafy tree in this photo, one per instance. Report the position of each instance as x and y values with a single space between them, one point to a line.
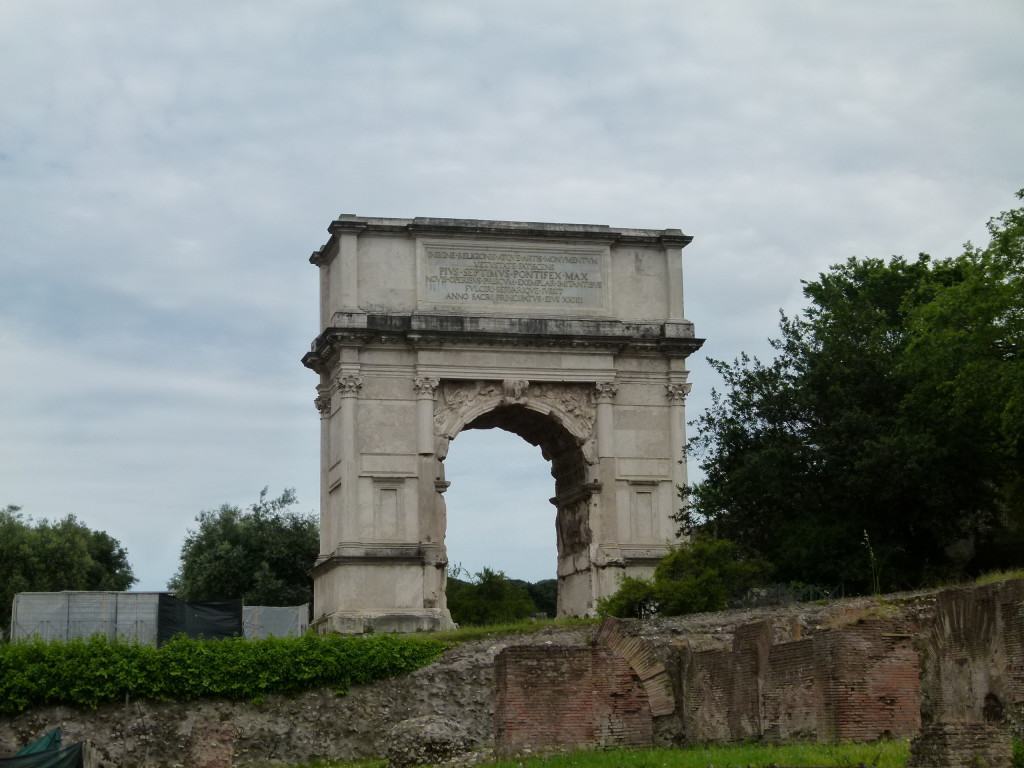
966 362
634 599
264 555
544 594
52 557
891 414
490 597
704 574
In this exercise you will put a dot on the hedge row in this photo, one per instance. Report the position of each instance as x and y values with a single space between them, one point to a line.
86 673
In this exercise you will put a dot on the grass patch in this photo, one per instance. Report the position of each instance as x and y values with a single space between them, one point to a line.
495 631
993 577
881 754
890 753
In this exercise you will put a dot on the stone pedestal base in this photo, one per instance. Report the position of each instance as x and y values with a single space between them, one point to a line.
357 623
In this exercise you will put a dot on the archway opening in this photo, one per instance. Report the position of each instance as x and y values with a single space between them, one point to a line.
499 503
499 513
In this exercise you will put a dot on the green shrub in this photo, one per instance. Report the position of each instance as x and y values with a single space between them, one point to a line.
699 575
490 597
87 673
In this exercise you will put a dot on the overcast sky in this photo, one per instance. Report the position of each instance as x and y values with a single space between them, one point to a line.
167 168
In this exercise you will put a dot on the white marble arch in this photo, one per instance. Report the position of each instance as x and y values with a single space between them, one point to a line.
571 336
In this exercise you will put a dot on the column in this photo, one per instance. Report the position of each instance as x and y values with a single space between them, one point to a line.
426 389
605 394
328 537
430 503
676 392
348 385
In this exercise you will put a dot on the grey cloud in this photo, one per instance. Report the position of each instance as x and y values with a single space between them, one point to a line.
166 170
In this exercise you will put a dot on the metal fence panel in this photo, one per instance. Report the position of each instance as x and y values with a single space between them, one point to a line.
128 615
264 621
42 614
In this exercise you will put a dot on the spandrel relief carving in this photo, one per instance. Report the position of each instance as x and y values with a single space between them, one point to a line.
574 401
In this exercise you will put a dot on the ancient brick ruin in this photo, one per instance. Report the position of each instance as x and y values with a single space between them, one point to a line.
957 667
608 706
942 745
854 684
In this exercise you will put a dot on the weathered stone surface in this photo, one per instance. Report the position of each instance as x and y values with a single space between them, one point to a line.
961 745
211 745
972 657
426 740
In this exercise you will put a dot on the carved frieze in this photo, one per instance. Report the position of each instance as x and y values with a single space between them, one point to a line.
459 402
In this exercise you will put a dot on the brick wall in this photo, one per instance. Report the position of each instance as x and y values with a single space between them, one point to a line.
567 697
854 684
793 695
973 656
874 687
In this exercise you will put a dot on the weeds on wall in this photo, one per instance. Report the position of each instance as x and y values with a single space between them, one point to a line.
87 673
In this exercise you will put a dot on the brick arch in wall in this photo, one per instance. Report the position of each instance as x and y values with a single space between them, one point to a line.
643 661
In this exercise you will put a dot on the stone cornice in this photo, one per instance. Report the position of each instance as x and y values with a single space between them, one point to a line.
348 223
460 331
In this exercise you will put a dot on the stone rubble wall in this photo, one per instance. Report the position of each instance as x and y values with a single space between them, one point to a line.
283 730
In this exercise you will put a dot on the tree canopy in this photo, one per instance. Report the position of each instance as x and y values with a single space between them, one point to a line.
49 556
263 555
882 446
489 597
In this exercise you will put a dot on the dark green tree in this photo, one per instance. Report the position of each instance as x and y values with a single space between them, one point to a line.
544 594
966 364
890 414
490 597
704 574
263 555
56 556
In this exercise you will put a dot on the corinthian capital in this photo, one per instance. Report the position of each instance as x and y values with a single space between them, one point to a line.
426 387
677 392
606 391
349 384
323 404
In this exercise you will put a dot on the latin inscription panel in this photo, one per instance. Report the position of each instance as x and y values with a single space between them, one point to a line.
512 277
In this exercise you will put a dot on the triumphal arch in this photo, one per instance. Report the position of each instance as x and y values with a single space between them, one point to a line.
570 336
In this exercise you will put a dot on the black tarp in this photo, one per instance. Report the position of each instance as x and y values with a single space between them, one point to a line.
222 618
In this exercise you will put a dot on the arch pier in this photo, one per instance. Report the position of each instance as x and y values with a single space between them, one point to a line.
571 336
